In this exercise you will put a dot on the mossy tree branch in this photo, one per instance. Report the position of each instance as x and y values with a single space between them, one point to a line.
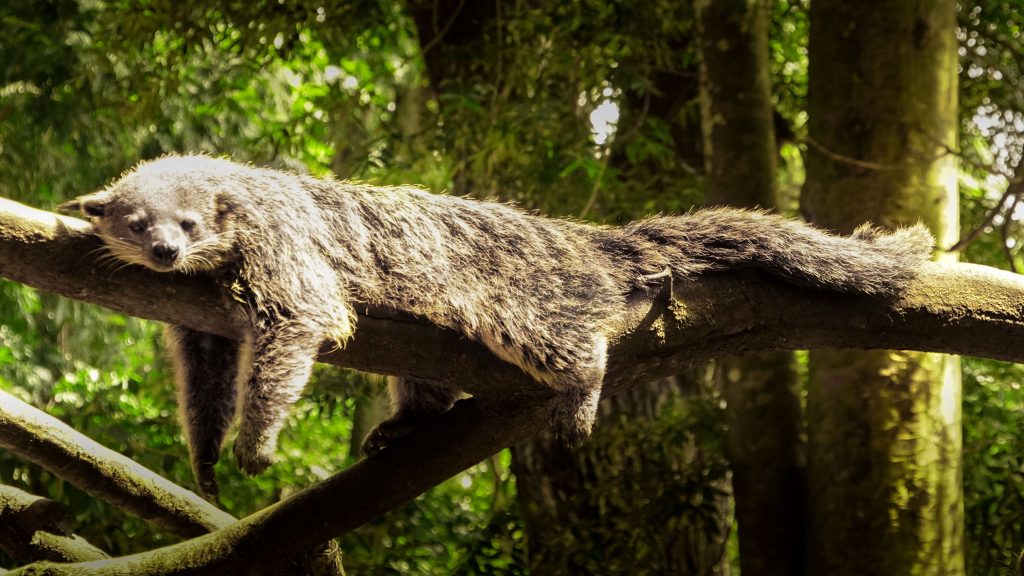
36 528
959 308
38 437
35 436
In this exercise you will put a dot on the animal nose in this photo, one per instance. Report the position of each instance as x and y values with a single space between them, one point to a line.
165 253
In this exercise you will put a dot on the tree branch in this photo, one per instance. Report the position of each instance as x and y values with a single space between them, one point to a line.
263 542
37 528
955 308
38 437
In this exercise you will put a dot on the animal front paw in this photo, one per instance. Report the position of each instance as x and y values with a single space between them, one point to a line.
254 452
383 434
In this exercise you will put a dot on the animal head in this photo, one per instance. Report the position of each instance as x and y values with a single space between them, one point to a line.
170 214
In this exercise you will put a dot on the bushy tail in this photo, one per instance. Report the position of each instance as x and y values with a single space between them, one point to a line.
871 261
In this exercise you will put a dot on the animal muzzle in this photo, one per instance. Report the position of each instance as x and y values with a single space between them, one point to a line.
164 253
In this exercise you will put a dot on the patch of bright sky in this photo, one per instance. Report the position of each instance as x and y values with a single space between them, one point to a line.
1002 129
605 117
332 73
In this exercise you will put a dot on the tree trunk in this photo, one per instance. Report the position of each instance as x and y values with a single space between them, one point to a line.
762 391
451 33
884 427
739 137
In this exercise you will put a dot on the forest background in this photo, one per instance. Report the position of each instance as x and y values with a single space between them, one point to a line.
592 109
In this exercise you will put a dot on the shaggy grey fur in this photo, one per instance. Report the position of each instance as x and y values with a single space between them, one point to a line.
541 293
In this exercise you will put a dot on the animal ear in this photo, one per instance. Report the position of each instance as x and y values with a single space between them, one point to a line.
224 204
94 204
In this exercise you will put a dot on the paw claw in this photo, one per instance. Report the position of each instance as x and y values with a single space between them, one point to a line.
372 444
385 433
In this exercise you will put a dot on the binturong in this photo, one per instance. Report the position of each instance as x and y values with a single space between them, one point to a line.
297 252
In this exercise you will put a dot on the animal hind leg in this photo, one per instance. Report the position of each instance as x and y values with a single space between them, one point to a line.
414 402
575 413
206 367
575 410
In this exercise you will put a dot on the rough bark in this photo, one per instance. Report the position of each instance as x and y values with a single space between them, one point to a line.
36 528
884 467
957 308
761 391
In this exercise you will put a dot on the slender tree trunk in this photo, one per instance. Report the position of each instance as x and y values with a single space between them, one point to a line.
883 467
451 34
736 107
762 391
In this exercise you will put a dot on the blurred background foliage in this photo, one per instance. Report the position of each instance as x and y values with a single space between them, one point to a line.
586 108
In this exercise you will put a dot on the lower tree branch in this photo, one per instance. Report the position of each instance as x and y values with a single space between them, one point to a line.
36 528
38 437
262 543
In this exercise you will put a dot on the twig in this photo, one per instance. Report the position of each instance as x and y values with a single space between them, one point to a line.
946 151
1014 189
439 34
849 159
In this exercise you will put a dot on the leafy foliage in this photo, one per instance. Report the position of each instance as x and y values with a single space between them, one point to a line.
993 465
654 481
992 143
477 531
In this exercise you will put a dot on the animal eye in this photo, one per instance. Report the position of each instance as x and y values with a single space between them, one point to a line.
136 226
188 224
